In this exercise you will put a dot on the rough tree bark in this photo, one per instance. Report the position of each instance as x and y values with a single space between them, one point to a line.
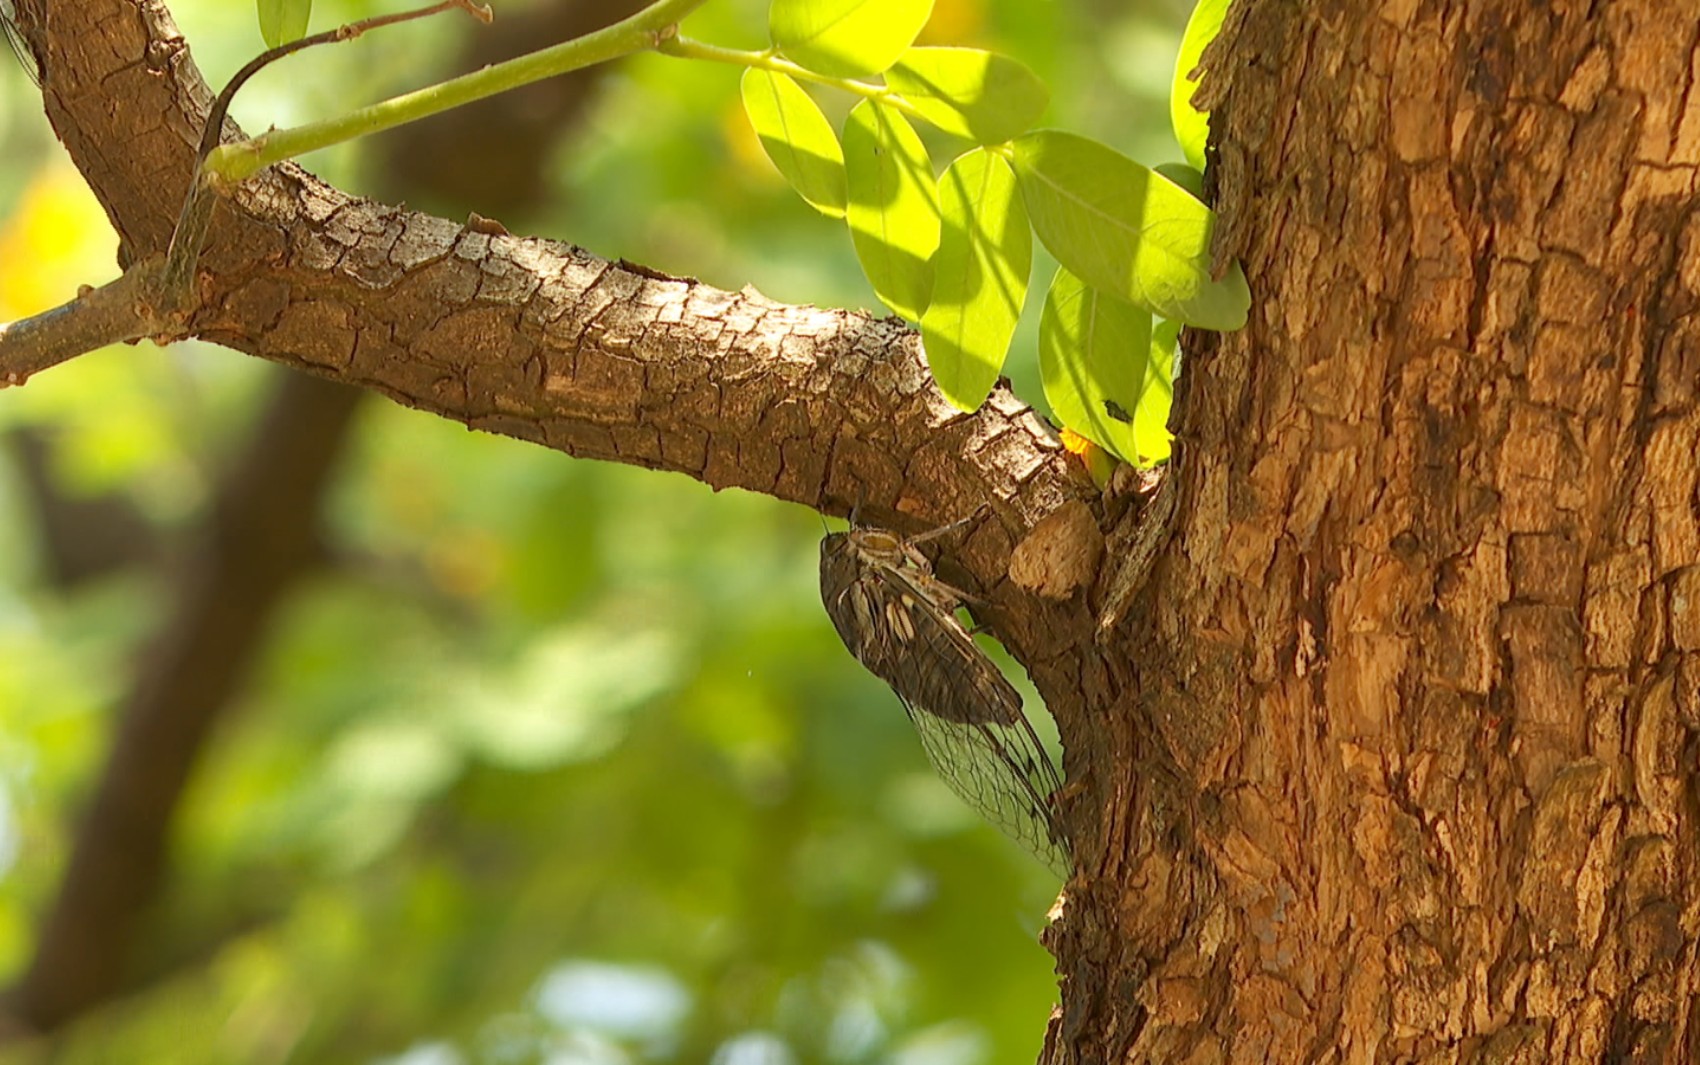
1420 664
1391 754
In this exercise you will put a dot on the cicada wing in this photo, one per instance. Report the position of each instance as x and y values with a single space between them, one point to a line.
966 712
14 37
981 744
848 591
1002 773
912 640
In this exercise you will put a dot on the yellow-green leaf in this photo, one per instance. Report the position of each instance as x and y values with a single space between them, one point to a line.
979 95
1093 351
1185 176
1124 230
893 208
1152 441
797 137
846 38
282 21
1192 126
979 277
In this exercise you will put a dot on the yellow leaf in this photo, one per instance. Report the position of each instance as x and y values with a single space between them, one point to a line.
56 238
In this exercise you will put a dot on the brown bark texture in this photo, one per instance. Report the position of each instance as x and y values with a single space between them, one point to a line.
1417 673
1381 713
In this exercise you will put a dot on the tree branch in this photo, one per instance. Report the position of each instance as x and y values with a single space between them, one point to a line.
536 339
79 538
85 953
526 337
121 310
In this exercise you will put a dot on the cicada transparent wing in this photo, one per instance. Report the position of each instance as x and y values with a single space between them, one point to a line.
8 19
900 622
1003 772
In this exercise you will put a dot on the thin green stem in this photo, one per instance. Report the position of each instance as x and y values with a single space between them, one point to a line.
687 48
647 29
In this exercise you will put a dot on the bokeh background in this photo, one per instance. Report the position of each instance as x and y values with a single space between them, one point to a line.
537 759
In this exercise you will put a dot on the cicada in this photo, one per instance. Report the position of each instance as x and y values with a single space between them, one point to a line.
8 17
900 621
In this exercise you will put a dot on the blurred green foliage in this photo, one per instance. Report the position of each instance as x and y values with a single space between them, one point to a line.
560 761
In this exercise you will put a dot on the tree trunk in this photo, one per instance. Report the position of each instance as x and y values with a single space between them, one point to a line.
1397 757
1381 714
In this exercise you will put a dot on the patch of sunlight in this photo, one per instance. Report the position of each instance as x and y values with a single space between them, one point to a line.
640 1003
754 1048
950 1043
56 239
568 697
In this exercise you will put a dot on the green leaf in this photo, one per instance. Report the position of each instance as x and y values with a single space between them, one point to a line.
1152 440
893 208
282 21
1093 351
1125 230
846 38
984 97
797 137
1185 176
1192 126
979 277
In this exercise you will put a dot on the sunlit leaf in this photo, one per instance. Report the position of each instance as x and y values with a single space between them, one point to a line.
1192 126
797 137
893 208
846 38
1151 437
979 277
1093 350
282 21
1125 230
975 94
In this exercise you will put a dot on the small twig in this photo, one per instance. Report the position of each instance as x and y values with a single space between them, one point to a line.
119 311
346 32
196 215
155 297
689 48
645 30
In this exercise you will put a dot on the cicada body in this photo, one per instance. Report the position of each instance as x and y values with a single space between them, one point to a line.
899 620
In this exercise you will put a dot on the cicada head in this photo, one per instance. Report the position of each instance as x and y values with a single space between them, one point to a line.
879 547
